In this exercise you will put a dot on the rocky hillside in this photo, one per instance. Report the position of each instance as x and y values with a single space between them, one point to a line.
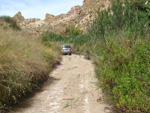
78 16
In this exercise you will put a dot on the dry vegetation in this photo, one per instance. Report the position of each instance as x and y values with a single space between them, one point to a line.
24 63
95 4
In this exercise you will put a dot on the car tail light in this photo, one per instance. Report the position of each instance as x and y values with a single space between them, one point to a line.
62 49
71 49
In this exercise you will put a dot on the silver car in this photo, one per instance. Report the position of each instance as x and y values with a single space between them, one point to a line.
66 49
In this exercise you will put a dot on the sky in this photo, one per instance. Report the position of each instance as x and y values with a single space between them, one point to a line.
36 8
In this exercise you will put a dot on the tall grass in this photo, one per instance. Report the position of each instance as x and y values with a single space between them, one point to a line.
24 64
118 43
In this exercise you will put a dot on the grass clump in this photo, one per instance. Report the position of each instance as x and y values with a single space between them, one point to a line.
23 64
11 21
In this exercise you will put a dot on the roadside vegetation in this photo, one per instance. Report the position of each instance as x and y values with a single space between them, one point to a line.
118 43
24 62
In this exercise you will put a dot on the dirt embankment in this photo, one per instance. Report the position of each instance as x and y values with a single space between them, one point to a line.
72 90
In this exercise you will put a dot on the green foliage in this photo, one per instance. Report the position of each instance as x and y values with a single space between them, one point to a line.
125 16
50 36
72 31
123 54
124 71
11 21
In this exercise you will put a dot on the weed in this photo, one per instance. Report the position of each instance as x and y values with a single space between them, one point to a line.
70 102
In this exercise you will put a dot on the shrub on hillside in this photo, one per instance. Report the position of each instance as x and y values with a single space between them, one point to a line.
72 31
50 36
11 21
123 15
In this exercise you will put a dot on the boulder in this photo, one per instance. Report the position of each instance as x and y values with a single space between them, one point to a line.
18 17
76 11
49 17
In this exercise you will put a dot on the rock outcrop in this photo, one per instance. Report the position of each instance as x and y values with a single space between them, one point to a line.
84 2
86 20
78 16
18 17
76 11
48 17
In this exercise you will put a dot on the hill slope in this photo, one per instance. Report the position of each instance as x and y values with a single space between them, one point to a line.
78 16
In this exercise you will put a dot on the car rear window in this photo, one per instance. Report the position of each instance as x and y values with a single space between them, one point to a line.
66 46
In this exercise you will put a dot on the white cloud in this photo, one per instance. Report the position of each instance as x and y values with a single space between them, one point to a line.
36 8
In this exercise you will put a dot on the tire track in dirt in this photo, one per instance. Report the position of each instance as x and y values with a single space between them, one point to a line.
73 90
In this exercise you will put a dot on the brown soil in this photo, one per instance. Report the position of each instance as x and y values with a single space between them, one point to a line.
73 89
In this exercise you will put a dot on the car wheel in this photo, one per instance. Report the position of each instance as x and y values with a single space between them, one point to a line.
69 53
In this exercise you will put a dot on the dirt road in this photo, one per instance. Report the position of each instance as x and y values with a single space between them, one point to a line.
72 90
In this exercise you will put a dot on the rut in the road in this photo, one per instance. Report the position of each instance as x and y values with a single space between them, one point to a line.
74 90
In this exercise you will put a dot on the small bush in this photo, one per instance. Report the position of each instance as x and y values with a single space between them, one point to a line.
11 21
72 31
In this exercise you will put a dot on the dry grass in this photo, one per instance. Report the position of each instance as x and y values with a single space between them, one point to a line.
94 4
23 64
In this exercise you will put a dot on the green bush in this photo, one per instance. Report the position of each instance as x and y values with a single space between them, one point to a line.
50 36
125 16
72 31
123 54
124 72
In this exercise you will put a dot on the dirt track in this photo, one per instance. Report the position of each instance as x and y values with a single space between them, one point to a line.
72 90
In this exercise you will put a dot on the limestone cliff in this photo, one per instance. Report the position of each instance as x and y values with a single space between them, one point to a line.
78 16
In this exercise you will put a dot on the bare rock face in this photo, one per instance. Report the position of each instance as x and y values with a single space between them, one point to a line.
48 17
84 2
86 20
80 16
18 17
76 11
